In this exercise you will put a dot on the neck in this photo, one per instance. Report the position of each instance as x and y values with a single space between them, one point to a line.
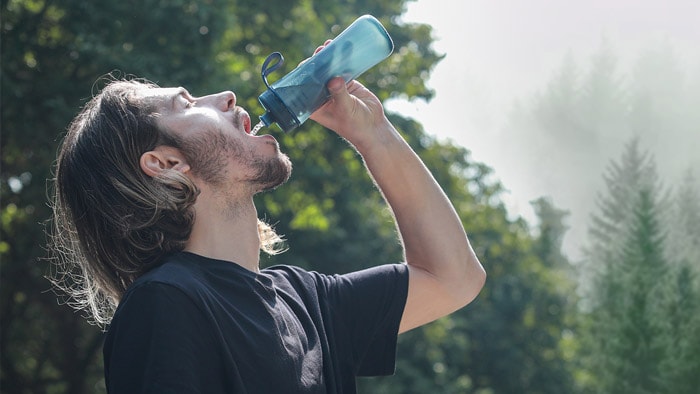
226 229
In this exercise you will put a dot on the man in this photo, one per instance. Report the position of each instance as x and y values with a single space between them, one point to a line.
154 210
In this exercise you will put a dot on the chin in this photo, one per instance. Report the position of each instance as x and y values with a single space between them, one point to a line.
274 173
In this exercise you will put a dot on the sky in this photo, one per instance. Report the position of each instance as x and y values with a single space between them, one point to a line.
500 51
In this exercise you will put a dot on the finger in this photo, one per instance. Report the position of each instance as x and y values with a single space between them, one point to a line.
325 44
338 91
337 96
318 49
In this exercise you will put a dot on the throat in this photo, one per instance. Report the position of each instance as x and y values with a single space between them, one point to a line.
226 231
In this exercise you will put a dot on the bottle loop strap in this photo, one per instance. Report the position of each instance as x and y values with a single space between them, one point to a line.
268 68
282 114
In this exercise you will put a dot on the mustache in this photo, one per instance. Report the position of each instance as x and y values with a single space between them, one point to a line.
237 113
240 118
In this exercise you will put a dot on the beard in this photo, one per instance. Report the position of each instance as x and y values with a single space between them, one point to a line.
272 172
209 155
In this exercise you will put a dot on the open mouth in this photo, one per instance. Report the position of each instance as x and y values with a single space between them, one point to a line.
246 123
244 120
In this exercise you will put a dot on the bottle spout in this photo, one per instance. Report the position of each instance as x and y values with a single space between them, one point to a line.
277 112
266 119
255 130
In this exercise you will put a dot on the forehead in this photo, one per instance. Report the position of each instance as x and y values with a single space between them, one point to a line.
155 100
160 98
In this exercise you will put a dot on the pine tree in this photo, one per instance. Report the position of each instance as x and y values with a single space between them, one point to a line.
663 107
628 321
684 223
627 331
604 105
681 367
623 181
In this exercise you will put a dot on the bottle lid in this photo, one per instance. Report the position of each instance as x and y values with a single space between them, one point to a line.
276 110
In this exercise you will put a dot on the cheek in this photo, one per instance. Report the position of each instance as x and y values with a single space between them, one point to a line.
192 125
220 143
209 145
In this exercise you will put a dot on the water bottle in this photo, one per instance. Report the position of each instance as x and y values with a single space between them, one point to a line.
293 98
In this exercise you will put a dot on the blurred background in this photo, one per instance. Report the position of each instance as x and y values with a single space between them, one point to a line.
581 197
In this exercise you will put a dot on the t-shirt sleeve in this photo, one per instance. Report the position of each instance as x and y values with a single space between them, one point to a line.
157 343
367 307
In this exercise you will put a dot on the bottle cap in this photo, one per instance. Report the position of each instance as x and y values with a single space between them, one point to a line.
276 110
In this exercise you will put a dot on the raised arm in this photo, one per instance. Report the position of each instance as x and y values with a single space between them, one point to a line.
444 272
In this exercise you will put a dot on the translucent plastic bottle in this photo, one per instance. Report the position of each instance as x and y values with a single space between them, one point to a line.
290 101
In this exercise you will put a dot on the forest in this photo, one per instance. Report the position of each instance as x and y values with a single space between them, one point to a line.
624 318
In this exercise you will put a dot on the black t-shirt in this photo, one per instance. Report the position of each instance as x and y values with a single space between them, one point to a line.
198 325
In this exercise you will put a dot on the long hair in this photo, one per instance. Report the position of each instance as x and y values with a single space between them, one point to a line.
111 221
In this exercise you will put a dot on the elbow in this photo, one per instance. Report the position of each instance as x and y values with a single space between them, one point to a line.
471 281
481 278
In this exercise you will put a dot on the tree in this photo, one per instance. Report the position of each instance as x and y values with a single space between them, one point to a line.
659 111
563 135
684 223
604 108
53 52
630 328
510 338
680 368
623 180
52 55
641 304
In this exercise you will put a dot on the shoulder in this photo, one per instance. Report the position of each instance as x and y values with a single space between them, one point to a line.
172 279
289 276
291 271
288 272
382 276
178 271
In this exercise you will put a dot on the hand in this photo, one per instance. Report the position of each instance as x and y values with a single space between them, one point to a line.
352 111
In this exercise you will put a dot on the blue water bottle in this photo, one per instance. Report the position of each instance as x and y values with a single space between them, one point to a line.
292 99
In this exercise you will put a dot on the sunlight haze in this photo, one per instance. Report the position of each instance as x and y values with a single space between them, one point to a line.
502 52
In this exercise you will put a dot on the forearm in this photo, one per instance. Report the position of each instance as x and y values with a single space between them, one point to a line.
431 231
444 273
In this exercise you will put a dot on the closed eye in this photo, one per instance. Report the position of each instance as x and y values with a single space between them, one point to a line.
189 100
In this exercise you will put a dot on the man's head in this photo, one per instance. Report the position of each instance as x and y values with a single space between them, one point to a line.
213 135
127 177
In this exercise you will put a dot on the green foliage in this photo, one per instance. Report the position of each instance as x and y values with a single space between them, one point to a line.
642 304
680 369
575 125
684 223
517 337
564 136
53 52
513 338
624 180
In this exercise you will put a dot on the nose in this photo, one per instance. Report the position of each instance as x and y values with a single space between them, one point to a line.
223 101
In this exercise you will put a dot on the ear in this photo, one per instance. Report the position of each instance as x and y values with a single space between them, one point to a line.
163 158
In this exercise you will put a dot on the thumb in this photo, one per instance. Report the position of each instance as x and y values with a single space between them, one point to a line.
331 113
336 84
338 91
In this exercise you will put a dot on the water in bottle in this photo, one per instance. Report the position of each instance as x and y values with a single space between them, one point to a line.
292 99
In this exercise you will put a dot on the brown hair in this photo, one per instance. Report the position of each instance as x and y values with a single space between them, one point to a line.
112 222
